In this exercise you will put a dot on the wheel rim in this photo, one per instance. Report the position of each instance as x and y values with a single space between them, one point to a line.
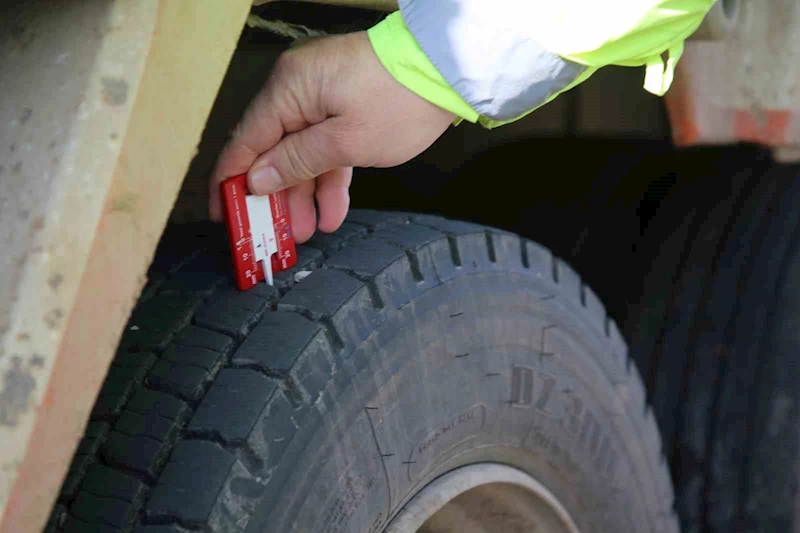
480 498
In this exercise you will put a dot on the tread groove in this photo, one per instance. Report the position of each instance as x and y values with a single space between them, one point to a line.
523 248
124 469
490 247
455 254
250 461
375 295
416 270
334 339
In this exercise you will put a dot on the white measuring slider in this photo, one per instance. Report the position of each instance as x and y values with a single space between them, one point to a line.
262 229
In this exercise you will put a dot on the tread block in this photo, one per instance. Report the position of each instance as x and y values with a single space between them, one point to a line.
156 529
139 453
596 311
508 250
232 311
419 241
147 425
133 362
104 481
289 450
57 517
365 258
154 322
332 294
170 256
186 381
93 436
276 345
276 342
330 242
312 370
191 481
130 367
308 258
620 347
467 252
262 290
241 495
208 360
77 469
409 236
181 242
233 403
103 510
147 401
111 398
568 280
375 219
74 525
273 431
154 281
204 338
322 293
200 275
540 260
450 227
393 273
399 284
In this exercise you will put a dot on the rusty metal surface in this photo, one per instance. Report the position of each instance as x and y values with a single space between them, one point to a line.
746 87
102 103
66 93
483 497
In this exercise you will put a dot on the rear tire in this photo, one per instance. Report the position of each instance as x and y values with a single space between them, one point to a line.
716 341
415 346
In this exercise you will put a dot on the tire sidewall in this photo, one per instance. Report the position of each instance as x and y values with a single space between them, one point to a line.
483 368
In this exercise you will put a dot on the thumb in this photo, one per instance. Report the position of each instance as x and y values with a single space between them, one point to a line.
299 157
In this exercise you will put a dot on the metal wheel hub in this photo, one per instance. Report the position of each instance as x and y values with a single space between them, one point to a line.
482 498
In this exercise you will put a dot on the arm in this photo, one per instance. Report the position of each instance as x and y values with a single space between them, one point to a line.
380 98
504 58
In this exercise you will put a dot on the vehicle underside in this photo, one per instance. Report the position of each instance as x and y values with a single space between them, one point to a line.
581 321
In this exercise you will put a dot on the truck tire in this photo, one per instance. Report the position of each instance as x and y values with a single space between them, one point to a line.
716 343
410 369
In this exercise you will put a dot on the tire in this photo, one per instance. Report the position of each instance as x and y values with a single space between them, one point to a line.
717 346
417 345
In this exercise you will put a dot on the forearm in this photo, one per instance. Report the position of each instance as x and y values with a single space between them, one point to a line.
505 58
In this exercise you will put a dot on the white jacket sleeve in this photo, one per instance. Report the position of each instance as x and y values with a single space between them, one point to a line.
484 50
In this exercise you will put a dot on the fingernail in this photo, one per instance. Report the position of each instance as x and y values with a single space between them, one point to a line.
265 180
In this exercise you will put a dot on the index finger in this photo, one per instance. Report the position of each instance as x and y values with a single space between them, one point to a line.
257 132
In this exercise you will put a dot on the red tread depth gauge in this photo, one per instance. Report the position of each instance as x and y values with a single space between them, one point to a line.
260 233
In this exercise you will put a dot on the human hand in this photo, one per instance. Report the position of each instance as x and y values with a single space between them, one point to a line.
329 105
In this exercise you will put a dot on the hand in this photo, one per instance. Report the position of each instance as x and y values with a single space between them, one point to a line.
328 106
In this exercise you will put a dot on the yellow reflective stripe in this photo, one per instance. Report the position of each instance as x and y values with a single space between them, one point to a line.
654 75
675 53
658 77
585 75
401 55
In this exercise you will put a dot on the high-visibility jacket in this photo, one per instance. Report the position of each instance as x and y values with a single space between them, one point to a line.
495 61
